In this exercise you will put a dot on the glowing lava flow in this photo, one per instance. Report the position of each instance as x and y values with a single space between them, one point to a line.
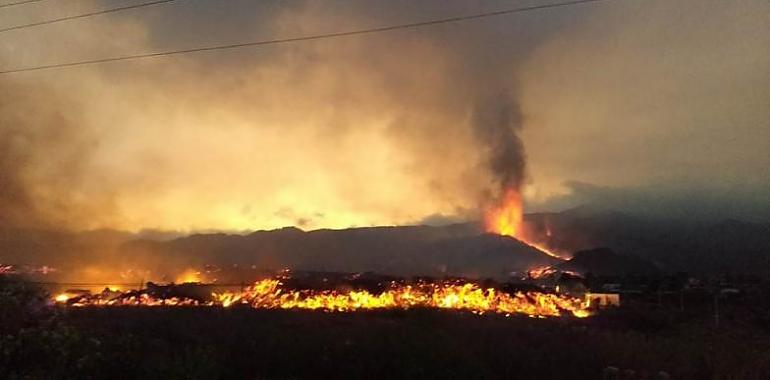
544 250
270 294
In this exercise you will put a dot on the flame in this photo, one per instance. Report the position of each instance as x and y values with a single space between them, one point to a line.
545 271
61 298
541 272
270 294
189 275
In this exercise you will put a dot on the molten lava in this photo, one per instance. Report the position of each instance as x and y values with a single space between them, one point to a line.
270 294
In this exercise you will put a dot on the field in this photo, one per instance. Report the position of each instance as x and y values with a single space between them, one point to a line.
241 343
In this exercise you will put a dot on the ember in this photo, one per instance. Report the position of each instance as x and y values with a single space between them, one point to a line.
271 294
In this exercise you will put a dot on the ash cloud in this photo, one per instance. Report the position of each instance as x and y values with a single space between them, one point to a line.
380 129
44 152
496 122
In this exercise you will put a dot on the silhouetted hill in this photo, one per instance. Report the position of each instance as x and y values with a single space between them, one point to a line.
604 261
727 247
730 246
410 250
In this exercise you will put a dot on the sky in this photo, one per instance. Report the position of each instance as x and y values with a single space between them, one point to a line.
653 106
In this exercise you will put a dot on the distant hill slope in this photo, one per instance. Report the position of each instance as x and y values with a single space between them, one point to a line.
726 247
461 249
604 261
458 250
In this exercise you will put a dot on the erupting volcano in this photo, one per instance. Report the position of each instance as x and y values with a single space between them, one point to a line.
507 219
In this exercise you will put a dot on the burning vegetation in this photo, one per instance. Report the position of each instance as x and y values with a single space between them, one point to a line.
272 293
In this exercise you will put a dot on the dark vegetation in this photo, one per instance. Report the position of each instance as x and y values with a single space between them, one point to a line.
646 335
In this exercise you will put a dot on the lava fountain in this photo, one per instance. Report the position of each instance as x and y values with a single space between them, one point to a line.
507 219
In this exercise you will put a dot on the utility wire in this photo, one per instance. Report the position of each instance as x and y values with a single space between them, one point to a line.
19 3
303 38
84 15
125 285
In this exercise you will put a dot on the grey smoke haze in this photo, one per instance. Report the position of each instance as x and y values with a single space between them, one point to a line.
380 129
661 106
689 202
37 122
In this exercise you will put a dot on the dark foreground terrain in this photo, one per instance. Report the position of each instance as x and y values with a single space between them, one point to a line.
239 343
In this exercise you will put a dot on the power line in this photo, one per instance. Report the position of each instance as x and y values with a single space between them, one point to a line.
107 284
84 15
19 3
303 38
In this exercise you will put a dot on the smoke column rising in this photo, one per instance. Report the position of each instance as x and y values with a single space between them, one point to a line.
496 123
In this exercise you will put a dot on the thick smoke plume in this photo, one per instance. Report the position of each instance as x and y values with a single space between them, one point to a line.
497 122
